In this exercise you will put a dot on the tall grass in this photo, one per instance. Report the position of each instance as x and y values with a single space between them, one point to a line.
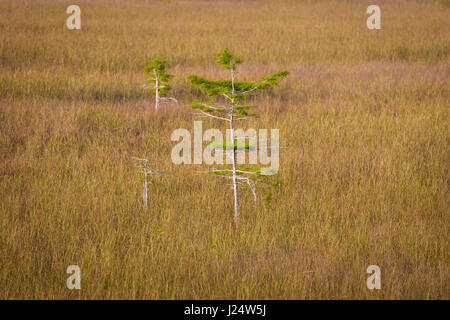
363 180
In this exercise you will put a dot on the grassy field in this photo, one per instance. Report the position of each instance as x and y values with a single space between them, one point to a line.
364 178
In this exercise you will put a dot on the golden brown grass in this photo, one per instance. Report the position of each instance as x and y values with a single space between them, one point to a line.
364 179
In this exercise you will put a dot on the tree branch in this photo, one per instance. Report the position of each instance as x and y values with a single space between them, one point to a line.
212 116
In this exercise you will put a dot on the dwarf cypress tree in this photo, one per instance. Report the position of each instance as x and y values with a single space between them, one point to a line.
145 174
233 95
158 83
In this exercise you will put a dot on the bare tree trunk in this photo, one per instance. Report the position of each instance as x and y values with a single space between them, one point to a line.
156 90
237 207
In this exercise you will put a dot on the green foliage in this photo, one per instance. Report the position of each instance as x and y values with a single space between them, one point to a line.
157 232
240 146
241 88
227 60
256 173
215 246
157 69
159 66
140 175
244 107
235 90
217 87
272 80
214 243
204 106
243 111
209 107
268 199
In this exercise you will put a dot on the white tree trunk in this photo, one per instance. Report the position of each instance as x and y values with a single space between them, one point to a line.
237 207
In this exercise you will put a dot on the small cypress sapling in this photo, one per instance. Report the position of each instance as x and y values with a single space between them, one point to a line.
145 173
234 94
158 83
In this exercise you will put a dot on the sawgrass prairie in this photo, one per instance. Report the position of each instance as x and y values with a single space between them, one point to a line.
364 168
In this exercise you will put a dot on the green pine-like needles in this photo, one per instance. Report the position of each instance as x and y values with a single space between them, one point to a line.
158 82
232 107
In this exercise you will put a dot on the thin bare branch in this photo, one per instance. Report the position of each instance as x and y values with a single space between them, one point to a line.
212 116
168 99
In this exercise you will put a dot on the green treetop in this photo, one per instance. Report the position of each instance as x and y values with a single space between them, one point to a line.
158 82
